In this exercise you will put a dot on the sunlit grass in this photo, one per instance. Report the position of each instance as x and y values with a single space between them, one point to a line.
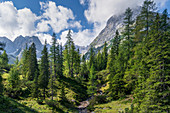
113 106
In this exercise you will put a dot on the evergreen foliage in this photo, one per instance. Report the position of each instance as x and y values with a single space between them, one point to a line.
92 82
43 79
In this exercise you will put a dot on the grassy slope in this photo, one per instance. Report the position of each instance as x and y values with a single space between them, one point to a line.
8 105
113 106
30 105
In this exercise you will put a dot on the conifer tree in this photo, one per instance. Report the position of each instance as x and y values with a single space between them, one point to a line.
53 57
114 81
24 62
92 58
33 70
44 70
77 62
92 82
157 83
146 16
99 61
84 71
14 77
2 45
128 30
72 59
104 56
1 85
4 60
70 55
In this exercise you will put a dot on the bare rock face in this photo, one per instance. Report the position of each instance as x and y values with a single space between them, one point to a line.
114 23
10 46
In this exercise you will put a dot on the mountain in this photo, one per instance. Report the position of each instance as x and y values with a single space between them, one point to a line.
16 47
10 46
114 23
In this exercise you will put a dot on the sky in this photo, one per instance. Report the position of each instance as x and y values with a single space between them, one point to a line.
85 18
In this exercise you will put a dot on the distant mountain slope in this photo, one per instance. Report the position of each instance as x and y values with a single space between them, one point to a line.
10 46
16 47
114 23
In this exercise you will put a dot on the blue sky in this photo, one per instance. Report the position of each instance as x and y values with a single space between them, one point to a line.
86 18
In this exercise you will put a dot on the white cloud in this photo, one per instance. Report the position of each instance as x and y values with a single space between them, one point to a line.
63 37
99 11
44 37
58 17
82 2
14 22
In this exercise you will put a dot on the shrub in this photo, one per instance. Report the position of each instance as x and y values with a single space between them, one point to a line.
51 103
40 101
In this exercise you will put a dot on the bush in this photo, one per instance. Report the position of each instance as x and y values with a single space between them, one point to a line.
51 103
101 99
40 101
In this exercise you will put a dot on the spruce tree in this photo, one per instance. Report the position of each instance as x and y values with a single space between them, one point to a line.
1 85
14 77
2 45
157 85
53 57
77 62
146 17
33 70
104 56
24 62
128 30
72 59
91 89
43 79
99 61
92 58
4 60
84 70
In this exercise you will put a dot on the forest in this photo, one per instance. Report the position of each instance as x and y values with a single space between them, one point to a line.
134 70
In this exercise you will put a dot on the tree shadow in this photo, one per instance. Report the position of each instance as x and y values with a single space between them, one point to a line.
75 86
8 105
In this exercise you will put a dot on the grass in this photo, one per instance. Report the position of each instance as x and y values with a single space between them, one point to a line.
113 106
8 105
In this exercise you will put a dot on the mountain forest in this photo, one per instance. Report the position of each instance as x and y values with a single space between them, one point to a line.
131 75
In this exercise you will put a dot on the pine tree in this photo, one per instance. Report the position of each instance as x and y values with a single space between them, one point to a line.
157 85
104 56
99 61
60 60
112 66
4 60
33 70
92 58
1 85
128 30
53 57
2 45
84 71
77 62
116 43
14 77
24 62
69 54
92 82
146 16
43 79
72 59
